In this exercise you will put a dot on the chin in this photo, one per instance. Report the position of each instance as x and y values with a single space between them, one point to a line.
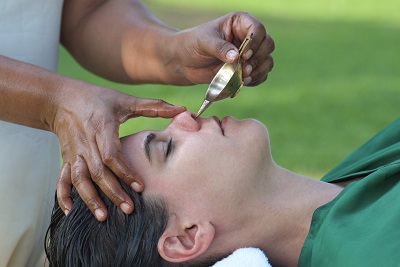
257 129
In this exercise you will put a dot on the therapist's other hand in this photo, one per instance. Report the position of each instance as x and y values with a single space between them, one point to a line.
87 125
203 49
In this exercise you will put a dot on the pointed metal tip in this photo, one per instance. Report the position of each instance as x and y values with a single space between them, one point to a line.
199 113
203 107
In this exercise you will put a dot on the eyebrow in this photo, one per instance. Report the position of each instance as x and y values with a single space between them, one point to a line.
146 145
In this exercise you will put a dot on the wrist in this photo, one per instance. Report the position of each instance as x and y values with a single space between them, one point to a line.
28 94
173 54
157 59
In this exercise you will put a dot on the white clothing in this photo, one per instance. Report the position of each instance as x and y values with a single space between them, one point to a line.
248 257
29 158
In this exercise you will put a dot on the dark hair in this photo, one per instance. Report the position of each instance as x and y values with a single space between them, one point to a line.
78 239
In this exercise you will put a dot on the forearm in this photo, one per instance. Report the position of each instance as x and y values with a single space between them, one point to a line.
29 94
118 40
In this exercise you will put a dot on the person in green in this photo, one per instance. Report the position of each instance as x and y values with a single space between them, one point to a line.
211 186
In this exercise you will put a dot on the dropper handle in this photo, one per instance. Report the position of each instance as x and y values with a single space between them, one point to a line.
245 44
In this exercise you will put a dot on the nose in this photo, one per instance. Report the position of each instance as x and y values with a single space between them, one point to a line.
185 121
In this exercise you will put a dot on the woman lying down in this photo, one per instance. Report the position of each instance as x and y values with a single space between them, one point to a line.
212 187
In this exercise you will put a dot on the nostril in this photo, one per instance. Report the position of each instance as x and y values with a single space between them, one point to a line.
193 115
186 121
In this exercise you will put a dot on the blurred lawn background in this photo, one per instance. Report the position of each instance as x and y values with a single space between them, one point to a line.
335 83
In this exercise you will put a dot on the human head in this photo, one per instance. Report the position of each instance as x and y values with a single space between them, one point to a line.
79 239
201 171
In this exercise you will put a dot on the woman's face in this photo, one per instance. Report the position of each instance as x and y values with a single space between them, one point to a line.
199 160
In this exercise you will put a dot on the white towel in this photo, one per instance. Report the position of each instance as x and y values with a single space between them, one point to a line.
245 257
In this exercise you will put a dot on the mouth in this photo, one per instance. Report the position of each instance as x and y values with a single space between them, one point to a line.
219 124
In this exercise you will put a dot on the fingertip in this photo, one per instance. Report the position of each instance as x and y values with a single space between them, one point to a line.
231 56
180 108
66 211
247 55
66 206
100 215
247 80
137 187
126 207
248 70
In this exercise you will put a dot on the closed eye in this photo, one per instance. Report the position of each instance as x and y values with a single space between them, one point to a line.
169 147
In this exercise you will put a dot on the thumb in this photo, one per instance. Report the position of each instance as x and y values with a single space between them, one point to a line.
153 108
221 49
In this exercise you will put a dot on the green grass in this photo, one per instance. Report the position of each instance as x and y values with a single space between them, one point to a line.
335 82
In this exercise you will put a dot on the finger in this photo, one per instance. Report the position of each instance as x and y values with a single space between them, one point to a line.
261 44
259 81
63 187
244 24
107 181
86 189
259 75
120 167
151 108
109 147
219 46
258 59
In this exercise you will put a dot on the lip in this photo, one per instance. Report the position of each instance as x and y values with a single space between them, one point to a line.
224 122
219 124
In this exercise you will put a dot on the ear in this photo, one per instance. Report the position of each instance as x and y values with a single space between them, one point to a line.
179 243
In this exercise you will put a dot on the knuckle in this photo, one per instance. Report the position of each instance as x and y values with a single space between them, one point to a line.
254 62
66 149
221 47
97 173
108 157
115 197
60 198
76 179
134 103
242 14
92 203
158 102
271 45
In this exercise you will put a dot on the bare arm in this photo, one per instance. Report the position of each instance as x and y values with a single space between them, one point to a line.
122 41
29 95
86 119
118 39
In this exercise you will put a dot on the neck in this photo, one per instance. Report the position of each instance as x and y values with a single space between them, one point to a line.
280 214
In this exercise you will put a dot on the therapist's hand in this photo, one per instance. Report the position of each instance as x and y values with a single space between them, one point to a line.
87 126
202 50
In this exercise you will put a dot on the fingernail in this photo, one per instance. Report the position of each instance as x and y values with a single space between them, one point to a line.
247 80
99 214
248 54
125 207
249 69
137 187
231 55
176 106
66 212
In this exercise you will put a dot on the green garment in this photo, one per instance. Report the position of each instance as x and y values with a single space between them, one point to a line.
361 226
